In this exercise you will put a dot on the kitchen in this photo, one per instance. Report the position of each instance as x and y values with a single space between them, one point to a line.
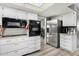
31 30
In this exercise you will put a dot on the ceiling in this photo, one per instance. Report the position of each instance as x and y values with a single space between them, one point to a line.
43 9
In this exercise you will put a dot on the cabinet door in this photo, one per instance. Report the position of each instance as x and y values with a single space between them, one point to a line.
21 15
9 12
7 48
66 42
32 16
37 44
13 53
17 52
22 51
69 19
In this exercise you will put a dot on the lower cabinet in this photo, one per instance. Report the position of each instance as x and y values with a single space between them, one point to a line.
16 52
68 42
20 48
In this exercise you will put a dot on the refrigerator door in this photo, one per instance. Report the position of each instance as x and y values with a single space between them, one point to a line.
53 35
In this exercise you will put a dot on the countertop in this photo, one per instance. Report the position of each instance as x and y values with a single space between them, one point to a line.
67 34
8 37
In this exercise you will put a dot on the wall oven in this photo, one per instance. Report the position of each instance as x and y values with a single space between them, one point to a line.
13 23
13 27
34 28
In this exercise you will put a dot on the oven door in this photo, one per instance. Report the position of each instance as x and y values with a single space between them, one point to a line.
34 28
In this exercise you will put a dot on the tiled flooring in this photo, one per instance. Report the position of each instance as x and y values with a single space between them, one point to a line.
51 51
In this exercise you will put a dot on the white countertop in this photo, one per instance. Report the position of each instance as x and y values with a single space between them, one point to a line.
67 34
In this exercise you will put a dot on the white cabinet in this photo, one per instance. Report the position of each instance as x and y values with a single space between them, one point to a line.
14 13
68 42
21 15
69 19
9 12
19 45
32 16
17 52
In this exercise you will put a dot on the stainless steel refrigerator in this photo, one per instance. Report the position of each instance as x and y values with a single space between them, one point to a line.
54 33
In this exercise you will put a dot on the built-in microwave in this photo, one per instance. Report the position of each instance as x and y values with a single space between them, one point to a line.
34 28
13 23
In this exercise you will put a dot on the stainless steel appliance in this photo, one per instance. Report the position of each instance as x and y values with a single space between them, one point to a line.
13 27
34 28
54 31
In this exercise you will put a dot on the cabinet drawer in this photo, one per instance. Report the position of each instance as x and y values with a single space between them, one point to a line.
5 41
23 39
21 45
66 44
7 48
37 48
22 51
8 41
12 47
17 52
66 38
66 41
66 47
14 53
31 49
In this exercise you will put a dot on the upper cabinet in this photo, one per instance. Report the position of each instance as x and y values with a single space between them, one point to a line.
69 19
0 15
9 12
14 13
32 16
21 15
